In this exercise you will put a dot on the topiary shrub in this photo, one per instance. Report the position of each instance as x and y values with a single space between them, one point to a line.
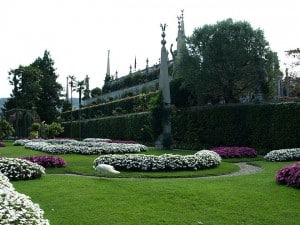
47 161
166 162
235 152
289 175
18 208
19 169
283 155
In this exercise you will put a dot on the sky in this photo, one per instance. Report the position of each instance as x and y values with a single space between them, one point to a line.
78 33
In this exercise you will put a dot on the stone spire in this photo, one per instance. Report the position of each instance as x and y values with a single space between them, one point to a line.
107 76
164 139
181 34
164 74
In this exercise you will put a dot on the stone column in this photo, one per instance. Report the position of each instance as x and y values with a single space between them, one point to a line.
164 86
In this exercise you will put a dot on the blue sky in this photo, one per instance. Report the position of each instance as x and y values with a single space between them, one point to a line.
78 33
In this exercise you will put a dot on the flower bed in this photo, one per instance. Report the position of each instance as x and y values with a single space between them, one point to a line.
86 148
235 152
108 141
289 175
140 162
2 144
47 161
283 155
18 208
19 169
21 142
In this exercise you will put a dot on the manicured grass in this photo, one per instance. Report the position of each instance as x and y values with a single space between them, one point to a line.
249 199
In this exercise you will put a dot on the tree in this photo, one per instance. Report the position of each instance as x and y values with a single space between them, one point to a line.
54 129
225 60
35 88
26 88
49 101
292 79
96 92
5 129
80 88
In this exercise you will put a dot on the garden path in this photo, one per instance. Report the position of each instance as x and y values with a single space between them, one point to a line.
245 169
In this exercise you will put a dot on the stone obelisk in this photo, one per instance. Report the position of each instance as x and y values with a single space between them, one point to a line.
164 80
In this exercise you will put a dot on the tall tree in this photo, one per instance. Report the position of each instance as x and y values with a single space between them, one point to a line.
26 88
226 60
49 101
35 88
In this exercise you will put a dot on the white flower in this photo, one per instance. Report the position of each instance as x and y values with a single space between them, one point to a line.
17 208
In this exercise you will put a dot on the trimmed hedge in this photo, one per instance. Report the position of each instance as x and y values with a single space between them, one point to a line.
138 103
263 127
127 127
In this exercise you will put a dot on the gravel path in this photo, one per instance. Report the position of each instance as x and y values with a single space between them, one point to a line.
244 170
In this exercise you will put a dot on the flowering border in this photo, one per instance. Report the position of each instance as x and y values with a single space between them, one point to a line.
235 152
47 161
19 169
140 162
289 175
85 148
283 155
18 208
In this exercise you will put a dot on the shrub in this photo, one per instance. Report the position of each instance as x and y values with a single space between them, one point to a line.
19 169
5 129
141 162
235 152
47 161
283 155
289 175
18 208
54 129
2 144
85 148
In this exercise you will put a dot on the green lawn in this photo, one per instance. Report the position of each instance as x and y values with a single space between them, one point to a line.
76 200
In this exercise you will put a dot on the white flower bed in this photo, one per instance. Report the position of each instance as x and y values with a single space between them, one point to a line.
19 169
97 140
18 208
86 148
140 162
283 155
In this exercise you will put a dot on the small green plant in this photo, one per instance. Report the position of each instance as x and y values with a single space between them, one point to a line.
5 129
54 129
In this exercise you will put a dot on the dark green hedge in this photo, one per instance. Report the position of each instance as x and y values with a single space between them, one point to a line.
127 127
138 103
264 127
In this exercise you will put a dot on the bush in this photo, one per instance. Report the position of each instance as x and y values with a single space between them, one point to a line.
85 148
141 162
18 208
19 169
289 175
47 161
2 144
283 155
54 129
6 129
235 152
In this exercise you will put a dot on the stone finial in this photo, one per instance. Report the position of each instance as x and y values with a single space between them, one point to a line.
163 34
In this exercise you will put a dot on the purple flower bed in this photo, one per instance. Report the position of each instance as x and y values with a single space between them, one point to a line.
289 175
47 161
123 142
235 152
2 144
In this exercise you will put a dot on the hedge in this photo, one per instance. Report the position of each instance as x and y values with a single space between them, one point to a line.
127 105
264 127
126 127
